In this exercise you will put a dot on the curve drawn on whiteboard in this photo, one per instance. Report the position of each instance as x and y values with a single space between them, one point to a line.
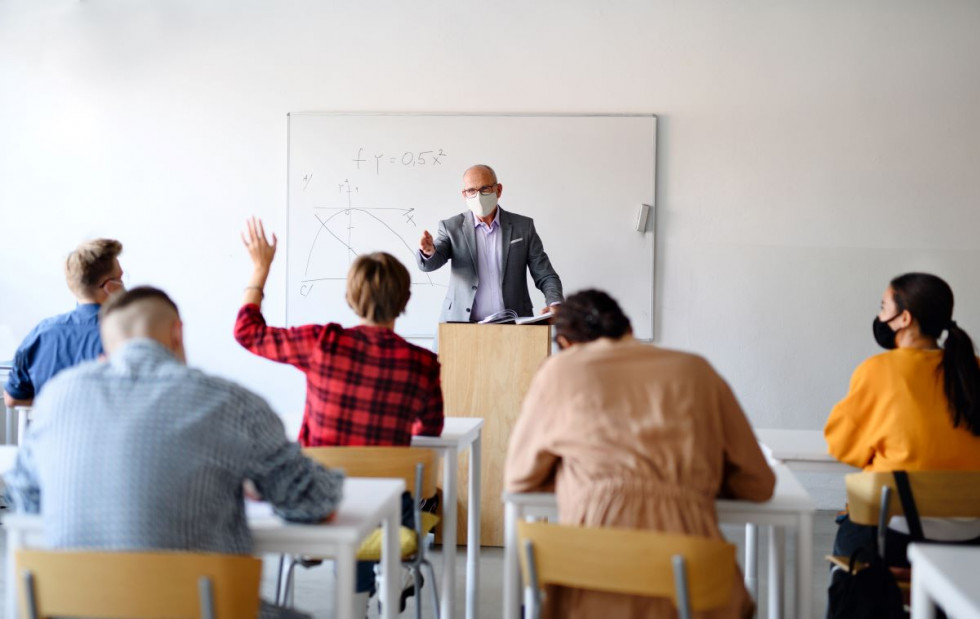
344 235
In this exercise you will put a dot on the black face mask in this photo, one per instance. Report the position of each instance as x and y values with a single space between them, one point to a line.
883 333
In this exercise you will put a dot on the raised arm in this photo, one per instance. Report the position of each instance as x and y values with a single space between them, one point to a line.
262 252
293 346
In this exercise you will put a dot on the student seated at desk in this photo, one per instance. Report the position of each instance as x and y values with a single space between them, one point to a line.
366 385
143 453
632 435
93 273
915 407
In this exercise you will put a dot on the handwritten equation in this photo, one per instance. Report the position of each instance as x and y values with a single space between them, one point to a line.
408 159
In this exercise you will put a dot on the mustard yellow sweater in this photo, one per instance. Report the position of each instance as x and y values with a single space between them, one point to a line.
895 416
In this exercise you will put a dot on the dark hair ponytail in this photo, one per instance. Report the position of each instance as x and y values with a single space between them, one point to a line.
961 375
930 301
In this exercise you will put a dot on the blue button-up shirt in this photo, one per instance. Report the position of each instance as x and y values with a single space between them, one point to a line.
142 452
489 297
53 345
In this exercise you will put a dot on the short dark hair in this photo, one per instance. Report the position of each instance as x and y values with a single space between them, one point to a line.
589 315
126 298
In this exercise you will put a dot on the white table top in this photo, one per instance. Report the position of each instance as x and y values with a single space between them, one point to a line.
359 513
456 432
950 575
789 496
805 445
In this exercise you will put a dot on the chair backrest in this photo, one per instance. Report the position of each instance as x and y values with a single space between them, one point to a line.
937 494
629 561
391 462
136 584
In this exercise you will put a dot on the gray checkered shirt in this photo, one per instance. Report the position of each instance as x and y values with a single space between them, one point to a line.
142 452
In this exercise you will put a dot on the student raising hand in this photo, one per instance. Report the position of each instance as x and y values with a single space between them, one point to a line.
262 253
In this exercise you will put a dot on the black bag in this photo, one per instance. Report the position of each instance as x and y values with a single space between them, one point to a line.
872 593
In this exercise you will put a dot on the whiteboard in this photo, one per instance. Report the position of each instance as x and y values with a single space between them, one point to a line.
360 183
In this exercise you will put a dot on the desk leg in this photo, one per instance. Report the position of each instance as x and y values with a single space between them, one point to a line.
390 561
777 554
344 567
473 531
22 419
752 560
922 604
512 582
450 466
13 545
8 436
804 566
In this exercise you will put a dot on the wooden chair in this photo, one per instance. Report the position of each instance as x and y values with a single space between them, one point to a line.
697 573
938 494
417 467
872 499
153 585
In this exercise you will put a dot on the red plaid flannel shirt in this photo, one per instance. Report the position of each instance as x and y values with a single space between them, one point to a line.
364 386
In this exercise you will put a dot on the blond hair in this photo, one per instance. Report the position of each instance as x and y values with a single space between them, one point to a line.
378 287
89 264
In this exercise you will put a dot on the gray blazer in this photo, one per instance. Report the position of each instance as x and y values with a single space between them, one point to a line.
522 250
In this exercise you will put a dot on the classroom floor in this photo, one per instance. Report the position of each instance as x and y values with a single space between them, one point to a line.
314 586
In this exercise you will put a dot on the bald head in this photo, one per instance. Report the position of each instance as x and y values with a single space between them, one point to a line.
478 176
142 312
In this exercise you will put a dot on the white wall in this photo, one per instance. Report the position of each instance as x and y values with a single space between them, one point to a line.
808 152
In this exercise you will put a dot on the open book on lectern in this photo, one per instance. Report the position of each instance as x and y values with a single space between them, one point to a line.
510 317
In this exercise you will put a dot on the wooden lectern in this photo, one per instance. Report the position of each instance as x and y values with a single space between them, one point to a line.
486 370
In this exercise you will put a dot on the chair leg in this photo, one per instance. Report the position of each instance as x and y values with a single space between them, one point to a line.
433 588
681 588
417 577
278 598
288 588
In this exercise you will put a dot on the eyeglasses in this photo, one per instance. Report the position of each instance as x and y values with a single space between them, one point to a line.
486 190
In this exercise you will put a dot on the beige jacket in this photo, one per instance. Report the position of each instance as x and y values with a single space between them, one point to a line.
633 435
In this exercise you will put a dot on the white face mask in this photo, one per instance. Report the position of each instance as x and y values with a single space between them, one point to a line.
482 205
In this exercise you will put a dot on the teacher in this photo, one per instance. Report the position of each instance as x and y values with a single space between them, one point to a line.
491 250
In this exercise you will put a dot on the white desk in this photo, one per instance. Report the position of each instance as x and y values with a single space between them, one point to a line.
801 450
945 576
458 433
790 507
366 503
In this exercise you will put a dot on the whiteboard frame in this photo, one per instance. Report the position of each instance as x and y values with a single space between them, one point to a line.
651 224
